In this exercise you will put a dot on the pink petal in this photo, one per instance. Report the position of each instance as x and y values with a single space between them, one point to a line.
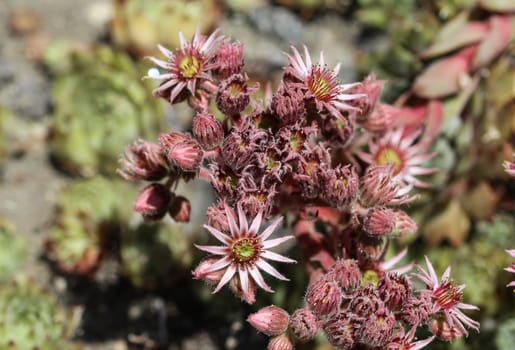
276 257
222 237
229 273
270 229
263 265
258 278
275 242
216 250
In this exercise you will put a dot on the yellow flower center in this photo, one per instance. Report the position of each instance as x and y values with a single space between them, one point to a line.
392 156
322 83
189 66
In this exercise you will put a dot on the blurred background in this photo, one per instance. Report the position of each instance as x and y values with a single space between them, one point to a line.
78 270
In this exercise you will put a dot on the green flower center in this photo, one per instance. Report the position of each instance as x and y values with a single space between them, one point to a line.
189 66
245 250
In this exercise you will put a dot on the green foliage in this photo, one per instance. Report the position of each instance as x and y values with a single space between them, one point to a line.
100 106
156 254
29 319
89 213
12 250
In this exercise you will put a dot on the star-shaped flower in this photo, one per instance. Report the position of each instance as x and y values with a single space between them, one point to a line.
244 253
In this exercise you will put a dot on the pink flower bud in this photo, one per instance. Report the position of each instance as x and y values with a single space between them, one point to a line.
304 325
180 209
394 290
169 140
379 222
381 118
347 273
324 296
288 104
234 95
366 301
443 330
228 59
341 330
248 295
417 310
186 155
371 88
204 272
340 186
153 201
271 320
280 342
377 330
207 130
143 161
404 224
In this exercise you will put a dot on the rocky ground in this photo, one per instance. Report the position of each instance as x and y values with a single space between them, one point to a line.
115 318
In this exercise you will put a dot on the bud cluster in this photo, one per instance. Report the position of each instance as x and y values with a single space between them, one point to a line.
301 152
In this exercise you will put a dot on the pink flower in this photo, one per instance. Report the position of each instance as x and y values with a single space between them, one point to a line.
245 252
322 84
187 65
509 167
447 298
398 147
403 341
512 267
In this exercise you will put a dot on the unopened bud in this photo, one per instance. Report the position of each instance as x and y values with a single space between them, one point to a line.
280 342
186 155
379 222
180 209
404 224
304 325
207 130
234 95
347 273
324 296
204 271
271 320
153 201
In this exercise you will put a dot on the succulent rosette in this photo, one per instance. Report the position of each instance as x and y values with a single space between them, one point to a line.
100 105
30 319
138 24
85 222
12 250
155 254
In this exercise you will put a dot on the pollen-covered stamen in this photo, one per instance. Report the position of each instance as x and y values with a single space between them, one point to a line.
246 251
390 155
323 84
189 64
448 295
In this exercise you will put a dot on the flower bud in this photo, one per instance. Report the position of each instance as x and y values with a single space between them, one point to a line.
443 330
186 155
371 88
324 296
381 118
143 161
394 290
347 273
366 301
340 186
228 59
340 330
304 325
378 328
288 104
403 224
233 95
180 209
207 130
153 201
379 222
203 271
271 320
417 310
280 342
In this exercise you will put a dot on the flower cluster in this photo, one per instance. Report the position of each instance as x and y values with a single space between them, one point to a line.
324 153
